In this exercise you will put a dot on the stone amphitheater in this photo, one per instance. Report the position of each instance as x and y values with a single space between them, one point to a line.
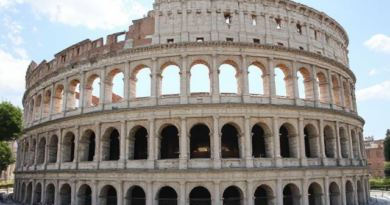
85 144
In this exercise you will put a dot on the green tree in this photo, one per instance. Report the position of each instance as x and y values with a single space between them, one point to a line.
11 125
386 146
6 157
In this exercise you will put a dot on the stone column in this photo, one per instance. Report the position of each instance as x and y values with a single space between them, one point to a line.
217 142
326 190
96 157
245 80
65 97
343 196
154 94
82 92
94 191
151 145
43 194
301 136
271 80
217 195
76 149
249 193
330 88
184 31
360 146
57 197
36 152
338 154
278 157
295 83
343 104
102 95
73 192
315 87
120 192
214 31
123 137
242 34
183 144
248 143
51 102
322 142
182 197
305 197
349 135
126 81
183 80
279 191
215 81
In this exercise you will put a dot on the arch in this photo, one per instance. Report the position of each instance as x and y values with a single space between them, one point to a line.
283 81
360 192
115 86
330 142
200 196
355 144
305 84
230 142
229 77
169 143
315 194
344 143
110 145
53 147
87 146
65 194
24 191
232 196
261 141
200 146
68 147
334 194
264 195
135 196
167 195
50 194
32 152
84 195
349 192
141 82
41 151
323 87
311 141
200 72
37 193
336 90
26 154
139 144
291 195
28 198
37 109
46 104
73 100
170 79
288 141
92 91
108 196
258 84
31 111
346 95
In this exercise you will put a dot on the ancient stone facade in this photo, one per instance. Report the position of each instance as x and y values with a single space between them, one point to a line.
83 147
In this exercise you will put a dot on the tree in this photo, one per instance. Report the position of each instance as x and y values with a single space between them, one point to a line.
11 125
6 157
386 146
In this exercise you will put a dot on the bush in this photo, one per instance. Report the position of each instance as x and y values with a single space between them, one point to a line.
387 169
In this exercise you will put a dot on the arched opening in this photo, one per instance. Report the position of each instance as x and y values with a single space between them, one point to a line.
110 145
29 193
41 151
323 87
311 141
46 104
330 144
336 91
141 82
230 144
115 86
170 80
87 146
68 147
108 196
92 91
50 194
65 194
26 154
200 72
167 196
58 99
23 197
305 84
200 196
264 195
228 78
349 193
288 141
139 144
170 143
283 81
315 194
344 143
32 152
31 111
84 195
38 193
291 195
334 194
355 144
200 142
255 78
261 141
53 147
37 108
232 196
347 96
135 196
360 192
73 101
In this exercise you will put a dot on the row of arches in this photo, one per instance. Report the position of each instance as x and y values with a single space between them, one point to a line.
309 84
199 145
199 195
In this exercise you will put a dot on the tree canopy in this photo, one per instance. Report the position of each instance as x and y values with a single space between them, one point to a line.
6 157
386 146
11 125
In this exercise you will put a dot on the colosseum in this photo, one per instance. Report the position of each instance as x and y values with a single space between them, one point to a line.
87 144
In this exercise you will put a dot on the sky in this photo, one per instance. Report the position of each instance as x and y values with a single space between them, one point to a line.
38 29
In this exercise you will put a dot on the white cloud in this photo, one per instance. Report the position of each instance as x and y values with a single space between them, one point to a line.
102 14
374 72
21 52
12 73
16 40
379 42
379 91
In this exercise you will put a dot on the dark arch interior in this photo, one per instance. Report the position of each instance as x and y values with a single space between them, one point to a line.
136 196
284 142
231 196
307 143
38 193
200 142
111 196
261 196
287 196
315 194
114 145
229 146
258 142
167 193
170 143
85 195
138 192
50 194
329 146
334 194
65 195
92 145
72 149
141 144
200 196
52 156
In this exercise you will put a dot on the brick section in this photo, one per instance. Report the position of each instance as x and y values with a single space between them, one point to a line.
141 32
375 157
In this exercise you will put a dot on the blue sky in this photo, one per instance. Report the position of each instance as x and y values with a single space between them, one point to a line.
38 29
